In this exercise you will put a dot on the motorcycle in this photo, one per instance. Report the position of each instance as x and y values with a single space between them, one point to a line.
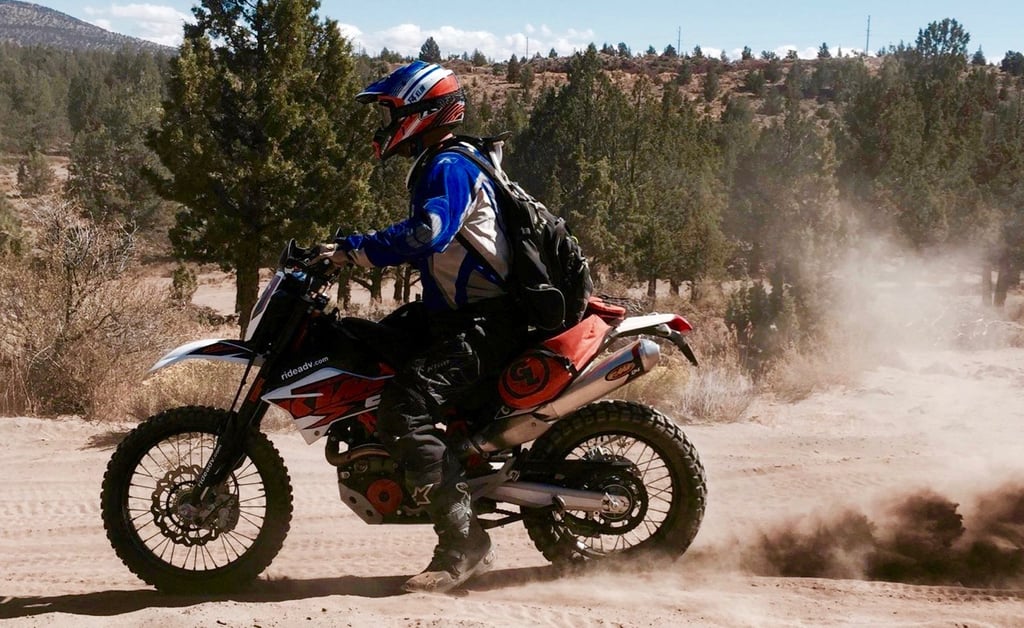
198 499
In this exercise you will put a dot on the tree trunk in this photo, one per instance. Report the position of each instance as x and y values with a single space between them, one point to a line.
345 288
247 280
673 287
1008 277
407 273
376 284
396 293
986 284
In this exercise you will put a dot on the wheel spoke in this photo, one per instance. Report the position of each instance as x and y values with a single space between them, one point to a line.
652 478
165 475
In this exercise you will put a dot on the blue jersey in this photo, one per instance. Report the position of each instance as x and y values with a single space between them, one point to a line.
453 196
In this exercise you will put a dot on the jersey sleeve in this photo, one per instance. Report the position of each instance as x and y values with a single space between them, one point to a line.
438 208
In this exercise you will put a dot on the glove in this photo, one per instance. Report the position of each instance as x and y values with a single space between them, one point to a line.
332 253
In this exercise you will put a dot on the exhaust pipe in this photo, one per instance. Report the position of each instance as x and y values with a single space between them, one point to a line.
613 372
534 495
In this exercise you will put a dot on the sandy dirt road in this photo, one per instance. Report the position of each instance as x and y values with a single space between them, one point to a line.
784 483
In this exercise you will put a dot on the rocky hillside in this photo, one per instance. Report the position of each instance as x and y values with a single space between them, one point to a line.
29 24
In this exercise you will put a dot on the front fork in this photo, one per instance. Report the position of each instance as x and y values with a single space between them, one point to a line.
229 452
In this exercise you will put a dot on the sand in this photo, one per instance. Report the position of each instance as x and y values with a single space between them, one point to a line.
781 483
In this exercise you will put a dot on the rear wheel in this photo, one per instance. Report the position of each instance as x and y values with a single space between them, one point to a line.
656 470
223 543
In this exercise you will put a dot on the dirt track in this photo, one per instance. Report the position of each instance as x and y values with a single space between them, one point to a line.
941 421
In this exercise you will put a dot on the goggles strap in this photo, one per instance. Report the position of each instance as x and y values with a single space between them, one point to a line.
425 105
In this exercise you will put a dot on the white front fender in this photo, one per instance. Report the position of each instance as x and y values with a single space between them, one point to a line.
215 349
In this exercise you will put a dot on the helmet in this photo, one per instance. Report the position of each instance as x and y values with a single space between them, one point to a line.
414 99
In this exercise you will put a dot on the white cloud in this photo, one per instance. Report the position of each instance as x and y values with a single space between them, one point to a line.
350 32
812 51
153 22
163 24
407 39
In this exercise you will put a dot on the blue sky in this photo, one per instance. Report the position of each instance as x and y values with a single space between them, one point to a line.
501 28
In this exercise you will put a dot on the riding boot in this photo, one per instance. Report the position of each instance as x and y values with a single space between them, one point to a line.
463 548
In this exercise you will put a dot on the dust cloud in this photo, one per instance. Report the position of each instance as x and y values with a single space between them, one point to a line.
887 297
921 317
923 538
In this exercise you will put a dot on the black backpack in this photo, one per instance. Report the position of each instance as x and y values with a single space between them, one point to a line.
548 275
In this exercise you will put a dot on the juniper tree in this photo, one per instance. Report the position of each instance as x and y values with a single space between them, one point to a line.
260 135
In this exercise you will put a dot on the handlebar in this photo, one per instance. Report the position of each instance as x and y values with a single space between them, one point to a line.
301 258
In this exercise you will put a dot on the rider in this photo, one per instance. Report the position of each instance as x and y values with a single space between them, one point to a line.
473 326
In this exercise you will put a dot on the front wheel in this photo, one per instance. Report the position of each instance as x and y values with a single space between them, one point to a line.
223 543
651 464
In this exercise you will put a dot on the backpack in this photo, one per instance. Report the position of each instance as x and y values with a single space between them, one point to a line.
549 276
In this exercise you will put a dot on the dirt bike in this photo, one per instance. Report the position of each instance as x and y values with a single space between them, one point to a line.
197 499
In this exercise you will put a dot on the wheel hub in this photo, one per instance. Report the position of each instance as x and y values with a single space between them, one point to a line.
186 523
627 506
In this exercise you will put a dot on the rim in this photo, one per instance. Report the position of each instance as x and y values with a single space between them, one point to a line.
647 483
219 532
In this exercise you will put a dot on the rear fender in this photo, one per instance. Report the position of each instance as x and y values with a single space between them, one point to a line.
217 350
652 324
670 326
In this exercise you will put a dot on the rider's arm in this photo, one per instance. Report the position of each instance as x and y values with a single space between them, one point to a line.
439 206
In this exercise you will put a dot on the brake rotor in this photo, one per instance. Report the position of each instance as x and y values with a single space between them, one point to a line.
185 524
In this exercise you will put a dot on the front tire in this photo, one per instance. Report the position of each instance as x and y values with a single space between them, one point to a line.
238 530
665 485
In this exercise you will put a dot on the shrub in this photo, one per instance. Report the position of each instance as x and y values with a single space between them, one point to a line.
80 329
183 285
764 324
35 176
10 229
185 384
754 82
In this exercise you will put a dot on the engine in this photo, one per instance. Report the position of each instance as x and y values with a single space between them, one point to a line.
370 483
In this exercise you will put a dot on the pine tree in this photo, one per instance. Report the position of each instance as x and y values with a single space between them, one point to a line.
1012 63
430 51
512 71
260 135
709 87
108 154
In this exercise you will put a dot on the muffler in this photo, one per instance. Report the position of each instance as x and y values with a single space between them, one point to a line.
534 495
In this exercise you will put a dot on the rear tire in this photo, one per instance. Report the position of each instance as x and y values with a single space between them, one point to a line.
623 430
148 479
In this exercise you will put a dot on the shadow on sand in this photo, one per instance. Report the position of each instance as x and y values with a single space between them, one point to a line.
110 603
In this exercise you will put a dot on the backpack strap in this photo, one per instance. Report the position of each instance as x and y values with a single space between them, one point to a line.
455 145
488 168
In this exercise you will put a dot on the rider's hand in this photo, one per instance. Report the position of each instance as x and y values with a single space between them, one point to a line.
332 253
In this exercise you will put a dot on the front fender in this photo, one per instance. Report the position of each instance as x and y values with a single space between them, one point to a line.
219 350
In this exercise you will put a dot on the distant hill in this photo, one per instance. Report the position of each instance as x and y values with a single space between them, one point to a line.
27 24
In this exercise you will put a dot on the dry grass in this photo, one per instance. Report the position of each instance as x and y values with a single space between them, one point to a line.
798 375
80 326
712 393
186 384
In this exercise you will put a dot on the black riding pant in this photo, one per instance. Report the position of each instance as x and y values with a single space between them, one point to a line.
452 356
